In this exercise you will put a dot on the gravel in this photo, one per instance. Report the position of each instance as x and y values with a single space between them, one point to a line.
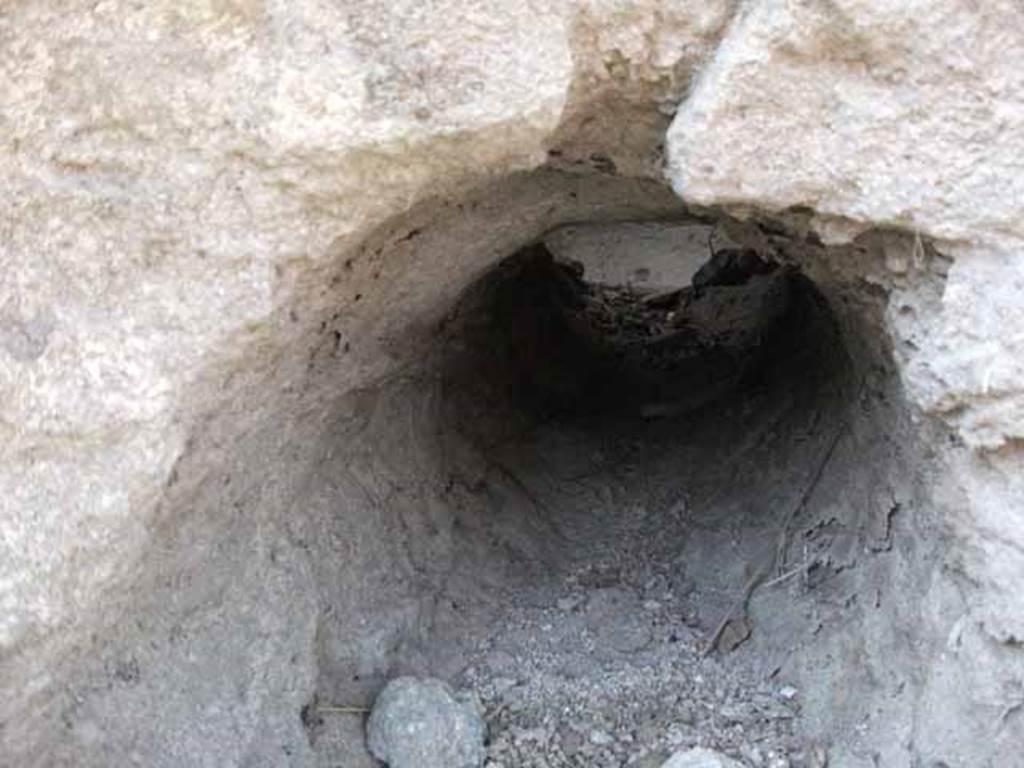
700 758
574 687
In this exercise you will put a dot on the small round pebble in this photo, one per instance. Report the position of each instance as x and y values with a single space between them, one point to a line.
423 723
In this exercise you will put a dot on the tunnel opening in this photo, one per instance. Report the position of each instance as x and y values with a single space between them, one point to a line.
538 335
654 456
566 444
681 392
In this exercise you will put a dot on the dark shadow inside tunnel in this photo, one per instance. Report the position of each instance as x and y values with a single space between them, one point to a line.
536 335
625 434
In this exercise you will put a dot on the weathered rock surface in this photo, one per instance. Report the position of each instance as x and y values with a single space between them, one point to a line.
897 129
902 123
425 724
223 222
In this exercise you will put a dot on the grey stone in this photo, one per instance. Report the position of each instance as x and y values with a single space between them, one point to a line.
424 724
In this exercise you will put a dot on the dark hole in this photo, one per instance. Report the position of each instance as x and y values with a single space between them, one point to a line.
536 333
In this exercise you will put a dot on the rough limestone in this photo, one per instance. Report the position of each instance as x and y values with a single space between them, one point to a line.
223 222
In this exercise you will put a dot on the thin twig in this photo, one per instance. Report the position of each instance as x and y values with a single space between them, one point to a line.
778 558
804 567
740 604
780 554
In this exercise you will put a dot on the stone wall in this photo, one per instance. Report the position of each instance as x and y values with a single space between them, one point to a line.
223 221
